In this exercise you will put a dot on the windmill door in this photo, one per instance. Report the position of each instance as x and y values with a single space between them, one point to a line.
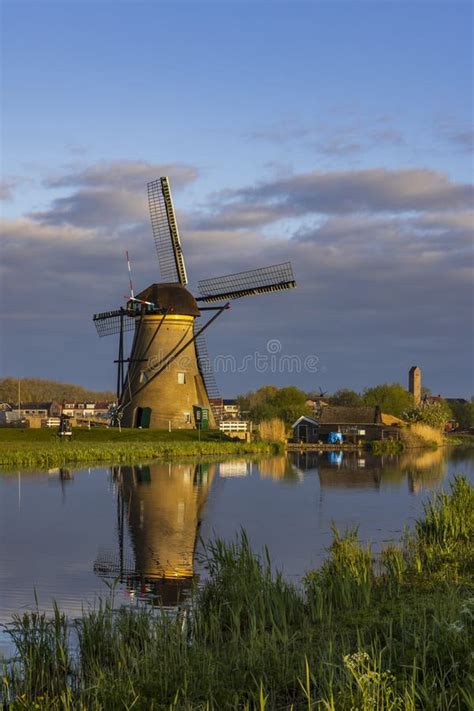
143 417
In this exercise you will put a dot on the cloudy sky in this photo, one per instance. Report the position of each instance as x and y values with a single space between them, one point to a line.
335 135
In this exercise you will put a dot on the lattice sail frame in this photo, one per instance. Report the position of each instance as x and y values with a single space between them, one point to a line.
205 365
255 281
165 232
108 323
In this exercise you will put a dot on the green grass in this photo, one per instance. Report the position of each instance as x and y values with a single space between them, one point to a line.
107 435
388 635
460 439
42 447
386 446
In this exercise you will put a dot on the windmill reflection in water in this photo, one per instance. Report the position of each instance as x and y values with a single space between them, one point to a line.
161 505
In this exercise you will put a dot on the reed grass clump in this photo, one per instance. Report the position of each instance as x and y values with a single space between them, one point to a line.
444 537
273 430
346 577
429 435
392 634
43 648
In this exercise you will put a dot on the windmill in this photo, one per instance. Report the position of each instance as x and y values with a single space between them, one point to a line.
168 378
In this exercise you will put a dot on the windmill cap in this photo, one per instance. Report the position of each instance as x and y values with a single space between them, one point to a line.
171 296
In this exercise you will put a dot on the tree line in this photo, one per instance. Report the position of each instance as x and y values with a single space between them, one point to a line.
289 403
41 390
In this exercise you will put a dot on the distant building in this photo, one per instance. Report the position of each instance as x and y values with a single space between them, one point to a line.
356 424
433 398
85 409
225 409
9 414
40 409
414 383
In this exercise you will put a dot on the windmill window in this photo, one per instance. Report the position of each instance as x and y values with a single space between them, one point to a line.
181 378
187 417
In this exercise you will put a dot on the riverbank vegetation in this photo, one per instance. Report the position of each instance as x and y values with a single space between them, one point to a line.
273 430
392 634
43 447
433 414
428 434
386 446
415 436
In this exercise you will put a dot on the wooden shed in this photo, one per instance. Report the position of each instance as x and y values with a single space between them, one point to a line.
305 430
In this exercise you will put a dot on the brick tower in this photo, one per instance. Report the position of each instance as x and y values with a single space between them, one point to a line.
414 383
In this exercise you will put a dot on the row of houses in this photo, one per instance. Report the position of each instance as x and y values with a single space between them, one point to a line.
227 412
51 410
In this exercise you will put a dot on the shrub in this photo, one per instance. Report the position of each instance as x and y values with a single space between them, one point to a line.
435 414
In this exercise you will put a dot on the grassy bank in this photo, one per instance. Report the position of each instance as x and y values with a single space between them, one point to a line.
416 436
41 447
391 635
413 436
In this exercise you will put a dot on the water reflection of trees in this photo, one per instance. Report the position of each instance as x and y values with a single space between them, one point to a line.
277 468
420 469
160 504
424 469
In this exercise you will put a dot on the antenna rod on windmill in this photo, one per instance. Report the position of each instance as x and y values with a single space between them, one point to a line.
132 295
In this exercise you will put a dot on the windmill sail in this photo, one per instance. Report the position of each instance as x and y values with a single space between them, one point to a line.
204 365
108 323
277 277
165 232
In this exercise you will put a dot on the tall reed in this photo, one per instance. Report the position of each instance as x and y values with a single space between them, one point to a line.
429 435
273 430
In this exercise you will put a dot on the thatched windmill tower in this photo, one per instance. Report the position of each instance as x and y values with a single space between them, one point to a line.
168 380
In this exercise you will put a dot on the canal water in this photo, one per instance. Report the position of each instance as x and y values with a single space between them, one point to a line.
71 534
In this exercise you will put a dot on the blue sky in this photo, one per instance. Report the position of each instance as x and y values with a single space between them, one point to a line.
337 135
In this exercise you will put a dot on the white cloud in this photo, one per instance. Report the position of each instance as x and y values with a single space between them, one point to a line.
125 175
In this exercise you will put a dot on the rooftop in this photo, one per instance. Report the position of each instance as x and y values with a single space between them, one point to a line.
173 296
350 415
